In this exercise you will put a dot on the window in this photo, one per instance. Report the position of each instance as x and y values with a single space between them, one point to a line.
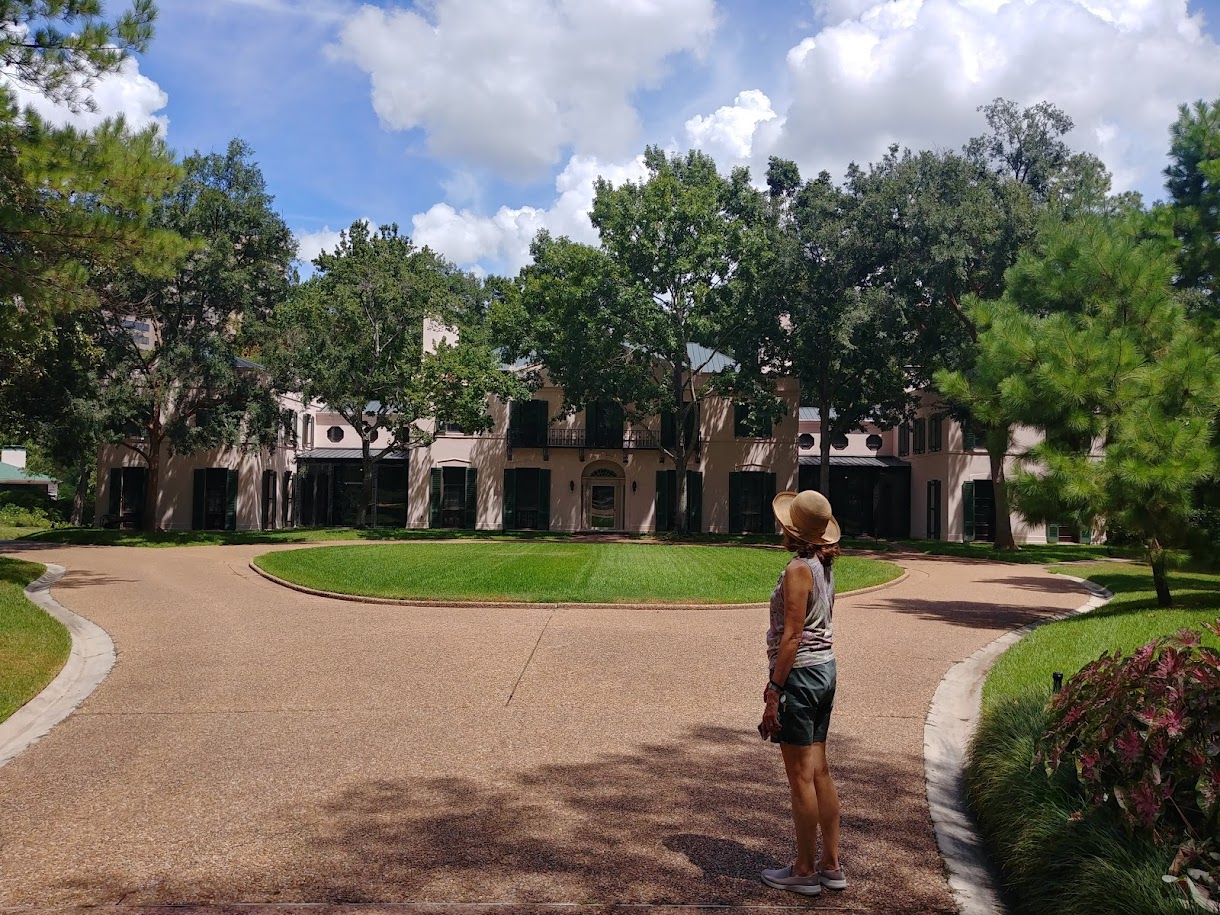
334 434
745 427
604 425
527 499
667 500
750 495
307 427
288 427
453 495
806 440
921 435
669 429
970 439
873 442
904 440
935 435
838 441
286 513
126 492
215 499
527 423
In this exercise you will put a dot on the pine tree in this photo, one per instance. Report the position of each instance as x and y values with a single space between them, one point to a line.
1110 367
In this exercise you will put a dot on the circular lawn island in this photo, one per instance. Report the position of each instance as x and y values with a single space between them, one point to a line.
549 572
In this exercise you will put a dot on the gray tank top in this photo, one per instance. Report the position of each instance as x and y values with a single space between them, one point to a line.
817 640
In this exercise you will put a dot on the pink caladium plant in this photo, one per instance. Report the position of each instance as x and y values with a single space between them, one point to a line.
1141 735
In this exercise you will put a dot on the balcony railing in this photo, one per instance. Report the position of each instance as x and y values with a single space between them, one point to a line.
579 437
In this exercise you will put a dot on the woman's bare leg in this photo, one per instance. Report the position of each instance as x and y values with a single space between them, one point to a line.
815 804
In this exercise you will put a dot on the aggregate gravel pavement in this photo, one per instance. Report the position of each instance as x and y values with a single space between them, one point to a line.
256 748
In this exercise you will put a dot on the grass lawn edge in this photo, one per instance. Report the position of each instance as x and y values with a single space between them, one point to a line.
1047 862
34 645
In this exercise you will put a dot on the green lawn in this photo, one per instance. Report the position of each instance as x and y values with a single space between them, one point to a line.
1029 554
1131 619
554 571
33 645
1051 862
12 533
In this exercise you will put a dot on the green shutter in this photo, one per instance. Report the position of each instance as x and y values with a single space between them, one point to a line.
200 487
668 430
434 514
514 423
116 491
510 500
694 501
544 500
968 511
592 417
471 497
135 492
666 498
968 435
230 500
1052 533
537 422
735 503
768 497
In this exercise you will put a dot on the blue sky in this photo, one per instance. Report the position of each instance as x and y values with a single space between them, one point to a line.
457 118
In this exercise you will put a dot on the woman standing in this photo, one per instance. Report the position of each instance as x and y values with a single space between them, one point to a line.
800 691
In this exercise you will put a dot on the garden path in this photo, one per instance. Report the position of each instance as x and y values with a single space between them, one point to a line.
258 745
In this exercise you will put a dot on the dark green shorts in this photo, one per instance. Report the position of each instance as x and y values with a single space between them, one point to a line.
806 704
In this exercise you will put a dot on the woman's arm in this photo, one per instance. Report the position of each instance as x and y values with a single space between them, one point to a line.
798 582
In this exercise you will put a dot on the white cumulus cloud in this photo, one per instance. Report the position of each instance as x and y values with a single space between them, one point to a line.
915 71
501 242
509 85
312 243
125 92
727 134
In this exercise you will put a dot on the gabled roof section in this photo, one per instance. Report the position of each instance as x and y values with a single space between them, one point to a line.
716 362
11 474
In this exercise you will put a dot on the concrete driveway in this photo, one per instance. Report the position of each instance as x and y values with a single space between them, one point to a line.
254 745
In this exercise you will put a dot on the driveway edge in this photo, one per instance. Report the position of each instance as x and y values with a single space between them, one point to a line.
525 605
952 718
88 663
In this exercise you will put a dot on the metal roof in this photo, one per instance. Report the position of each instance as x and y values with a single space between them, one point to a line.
12 474
844 460
716 362
345 454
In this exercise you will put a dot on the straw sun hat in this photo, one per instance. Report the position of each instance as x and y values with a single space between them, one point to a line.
806 516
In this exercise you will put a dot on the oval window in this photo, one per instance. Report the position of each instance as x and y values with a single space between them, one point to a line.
806 440
335 434
839 442
873 443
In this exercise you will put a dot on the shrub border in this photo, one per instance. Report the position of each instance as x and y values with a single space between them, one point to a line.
90 660
948 729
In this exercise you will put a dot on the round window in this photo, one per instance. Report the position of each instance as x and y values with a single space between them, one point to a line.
873 443
806 440
374 435
839 442
335 434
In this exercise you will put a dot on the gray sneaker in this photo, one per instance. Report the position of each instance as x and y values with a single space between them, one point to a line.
784 879
833 880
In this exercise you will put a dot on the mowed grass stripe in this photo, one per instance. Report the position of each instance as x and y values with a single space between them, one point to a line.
33 645
554 572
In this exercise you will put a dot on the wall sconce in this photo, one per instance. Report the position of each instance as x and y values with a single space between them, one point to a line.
571 486
633 484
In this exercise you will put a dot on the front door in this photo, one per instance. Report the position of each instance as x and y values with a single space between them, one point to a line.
602 505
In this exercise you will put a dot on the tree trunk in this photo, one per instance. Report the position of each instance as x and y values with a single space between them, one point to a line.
681 450
997 451
1158 559
153 484
78 499
824 436
366 484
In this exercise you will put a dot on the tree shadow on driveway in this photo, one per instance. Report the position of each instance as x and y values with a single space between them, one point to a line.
688 823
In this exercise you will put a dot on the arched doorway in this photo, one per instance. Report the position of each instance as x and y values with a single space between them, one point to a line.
601 498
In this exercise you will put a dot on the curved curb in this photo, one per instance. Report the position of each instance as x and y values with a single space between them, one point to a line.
88 663
526 605
950 724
